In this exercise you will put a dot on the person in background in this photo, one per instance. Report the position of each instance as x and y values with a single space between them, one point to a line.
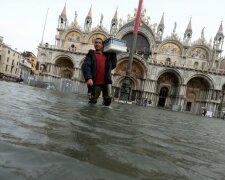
204 111
96 70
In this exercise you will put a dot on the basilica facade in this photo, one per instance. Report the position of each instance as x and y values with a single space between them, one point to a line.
170 72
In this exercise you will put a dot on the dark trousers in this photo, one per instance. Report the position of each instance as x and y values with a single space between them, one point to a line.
106 93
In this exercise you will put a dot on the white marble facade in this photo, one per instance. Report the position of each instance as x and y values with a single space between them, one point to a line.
168 72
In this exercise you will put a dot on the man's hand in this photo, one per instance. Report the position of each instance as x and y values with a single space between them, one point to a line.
89 82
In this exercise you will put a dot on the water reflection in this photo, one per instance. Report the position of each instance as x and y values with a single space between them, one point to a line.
50 135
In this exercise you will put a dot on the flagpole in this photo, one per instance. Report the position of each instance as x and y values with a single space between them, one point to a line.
44 27
126 86
135 33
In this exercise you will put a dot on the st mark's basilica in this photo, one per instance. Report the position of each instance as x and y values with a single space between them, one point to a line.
170 72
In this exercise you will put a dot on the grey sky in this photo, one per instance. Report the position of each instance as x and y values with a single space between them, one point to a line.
22 21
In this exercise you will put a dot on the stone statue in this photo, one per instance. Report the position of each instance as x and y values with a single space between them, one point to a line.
174 29
154 27
75 20
128 17
101 19
135 12
120 22
148 20
202 33
143 13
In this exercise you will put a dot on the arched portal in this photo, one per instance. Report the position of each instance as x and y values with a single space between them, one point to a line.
197 93
137 71
142 44
137 76
162 96
168 89
65 66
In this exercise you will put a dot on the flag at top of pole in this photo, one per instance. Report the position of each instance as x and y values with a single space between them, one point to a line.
138 18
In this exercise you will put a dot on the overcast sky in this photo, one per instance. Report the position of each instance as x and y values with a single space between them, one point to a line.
22 21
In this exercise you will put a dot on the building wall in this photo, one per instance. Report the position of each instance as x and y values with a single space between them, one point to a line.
188 72
9 63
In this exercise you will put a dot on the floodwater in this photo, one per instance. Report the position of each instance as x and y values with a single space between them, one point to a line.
46 134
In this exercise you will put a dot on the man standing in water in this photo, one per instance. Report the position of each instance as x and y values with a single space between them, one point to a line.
97 69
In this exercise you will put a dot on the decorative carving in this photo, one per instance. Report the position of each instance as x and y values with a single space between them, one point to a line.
218 81
94 36
170 48
101 19
198 53
203 33
175 27
142 29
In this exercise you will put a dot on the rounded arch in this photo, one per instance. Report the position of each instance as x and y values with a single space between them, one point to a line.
171 48
73 36
146 31
64 62
199 52
72 30
198 82
173 71
142 44
198 92
204 77
168 85
139 70
119 82
95 35
65 66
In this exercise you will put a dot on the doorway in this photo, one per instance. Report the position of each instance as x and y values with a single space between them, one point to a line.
162 96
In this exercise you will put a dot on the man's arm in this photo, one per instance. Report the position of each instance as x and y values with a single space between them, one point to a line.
86 68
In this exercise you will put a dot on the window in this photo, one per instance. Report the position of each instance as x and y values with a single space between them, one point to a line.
7 59
6 68
168 61
8 51
0 57
196 65
13 62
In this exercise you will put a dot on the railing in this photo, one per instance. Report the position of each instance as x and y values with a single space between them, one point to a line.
190 67
77 48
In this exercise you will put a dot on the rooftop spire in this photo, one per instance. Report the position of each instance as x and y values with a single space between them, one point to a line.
220 30
90 12
115 15
64 10
162 20
189 27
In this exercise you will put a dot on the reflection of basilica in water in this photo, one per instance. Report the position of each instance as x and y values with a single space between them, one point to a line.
171 72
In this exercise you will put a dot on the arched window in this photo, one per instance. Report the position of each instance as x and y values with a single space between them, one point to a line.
142 44
168 61
196 65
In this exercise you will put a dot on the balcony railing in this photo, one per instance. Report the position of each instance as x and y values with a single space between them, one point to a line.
76 49
189 67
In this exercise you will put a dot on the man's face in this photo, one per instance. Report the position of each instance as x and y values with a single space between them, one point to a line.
98 44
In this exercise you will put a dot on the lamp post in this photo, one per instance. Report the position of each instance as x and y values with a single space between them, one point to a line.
126 86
